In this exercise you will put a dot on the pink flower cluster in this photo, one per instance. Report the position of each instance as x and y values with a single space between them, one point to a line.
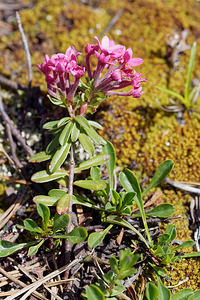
118 63
62 73
114 71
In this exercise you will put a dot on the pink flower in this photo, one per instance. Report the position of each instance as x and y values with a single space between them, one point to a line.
58 69
116 63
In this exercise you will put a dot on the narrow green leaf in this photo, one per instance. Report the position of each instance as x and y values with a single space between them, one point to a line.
30 225
39 157
75 132
59 157
63 204
34 249
44 176
83 122
86 143
65 134
56 101
94 185
95 136
151 291
193 254
171 93
94 293
60 222
110 150
93 162
96 238
63 121
163 292
161 173
77 235
53 144
95 124
44 213
162 211
183 295
186 244
130 184
50 125
7 248
189 72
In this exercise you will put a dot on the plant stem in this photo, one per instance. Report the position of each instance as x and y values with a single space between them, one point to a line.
68 244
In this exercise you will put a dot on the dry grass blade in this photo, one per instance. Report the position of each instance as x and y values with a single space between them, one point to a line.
7 215
8 293
55 283
171 108
32 287
184 187
21 181
20 283
52 293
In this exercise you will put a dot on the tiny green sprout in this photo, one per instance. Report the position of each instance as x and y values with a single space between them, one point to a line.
190 96
111 284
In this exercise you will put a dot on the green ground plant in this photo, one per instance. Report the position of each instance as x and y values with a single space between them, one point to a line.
114 71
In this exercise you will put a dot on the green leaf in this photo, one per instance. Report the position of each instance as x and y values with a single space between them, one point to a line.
34 249
75 132
93 162
94 185
193 254
95 173
65 134
183 295
171 230
130 184
162 211
95 136
195 296
114 264
185 245
127 259
96 238
59 157
56 193
94 293
86 143
77 235
60 222
189 73
83 122
63 121
160 271
63 204
151 291
174 94
7 248
30 225
39 157
46 200
56 101
53 144
44 176
51 125
95 124
44 213
110 150
163 292
161 173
